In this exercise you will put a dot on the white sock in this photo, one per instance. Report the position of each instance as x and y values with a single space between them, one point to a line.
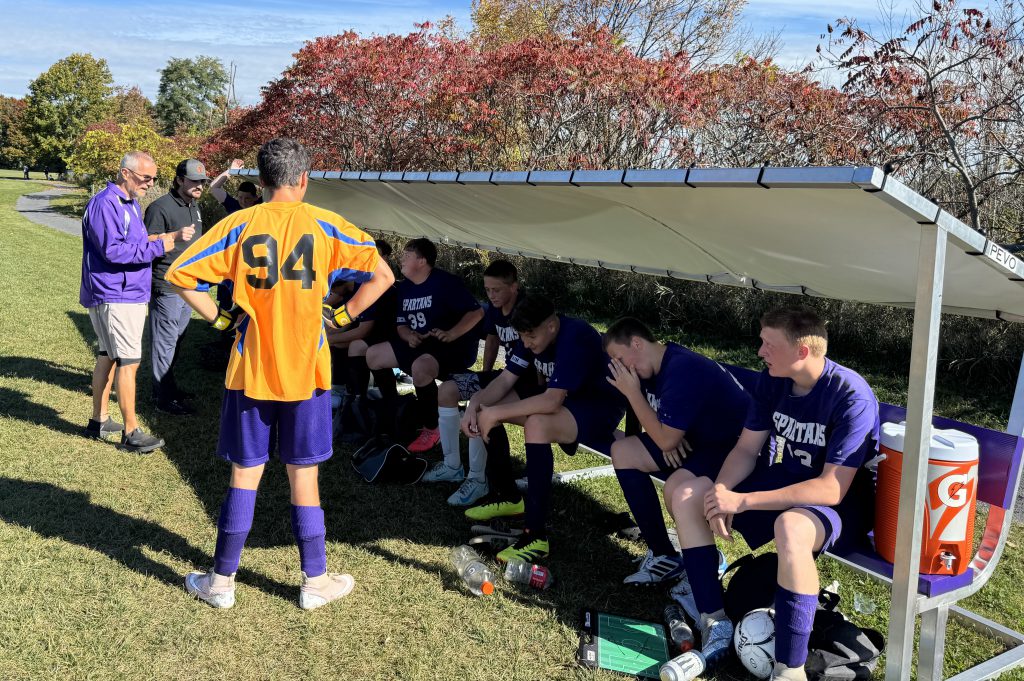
477 459
448 419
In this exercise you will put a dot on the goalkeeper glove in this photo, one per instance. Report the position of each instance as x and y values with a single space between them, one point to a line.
228 320
338 317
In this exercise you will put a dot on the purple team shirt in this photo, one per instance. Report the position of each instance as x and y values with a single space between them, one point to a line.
437 303
698 395
497 323
574 361
836 422
117 254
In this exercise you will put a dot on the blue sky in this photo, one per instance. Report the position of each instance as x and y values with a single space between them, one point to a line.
260 36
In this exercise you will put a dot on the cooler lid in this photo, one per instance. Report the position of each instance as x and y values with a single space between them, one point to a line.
946 444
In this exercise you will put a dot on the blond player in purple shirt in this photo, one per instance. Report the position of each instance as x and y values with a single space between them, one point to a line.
796 475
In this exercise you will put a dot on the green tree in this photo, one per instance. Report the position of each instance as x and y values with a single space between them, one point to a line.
191 95
129 105
71 95
98 153
14 145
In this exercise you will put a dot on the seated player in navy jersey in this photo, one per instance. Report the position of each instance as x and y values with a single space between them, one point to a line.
501 283
691 409
438 335
807 490
577 406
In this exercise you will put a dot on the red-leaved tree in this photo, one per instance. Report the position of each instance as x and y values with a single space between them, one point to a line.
942 102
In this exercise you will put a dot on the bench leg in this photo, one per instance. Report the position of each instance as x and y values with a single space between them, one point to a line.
933 644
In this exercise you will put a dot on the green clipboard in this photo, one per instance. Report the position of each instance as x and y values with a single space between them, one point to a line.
622 644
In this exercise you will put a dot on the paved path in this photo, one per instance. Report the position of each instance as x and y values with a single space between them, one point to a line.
36 207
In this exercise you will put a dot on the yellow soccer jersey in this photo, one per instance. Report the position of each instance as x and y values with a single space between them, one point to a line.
282 258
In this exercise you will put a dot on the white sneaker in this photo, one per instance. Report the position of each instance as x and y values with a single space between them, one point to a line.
784 673
330 586
469 492
656 569
210 587
440 472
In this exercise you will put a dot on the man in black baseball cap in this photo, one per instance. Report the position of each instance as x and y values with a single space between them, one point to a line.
168 313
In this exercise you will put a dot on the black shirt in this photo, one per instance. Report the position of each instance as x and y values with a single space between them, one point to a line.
170 213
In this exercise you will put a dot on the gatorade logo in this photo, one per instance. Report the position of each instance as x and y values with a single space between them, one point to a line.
952 490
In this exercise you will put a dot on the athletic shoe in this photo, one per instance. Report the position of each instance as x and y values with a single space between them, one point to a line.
440 472
527 548
656 569
784 673
469 492
174 407
425 441
107 430
217 590
715 637
330 586
140 442
496 508
403 378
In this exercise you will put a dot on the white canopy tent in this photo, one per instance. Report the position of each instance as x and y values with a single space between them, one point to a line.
849 233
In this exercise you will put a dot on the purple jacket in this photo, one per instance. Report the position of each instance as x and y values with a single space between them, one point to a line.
116 250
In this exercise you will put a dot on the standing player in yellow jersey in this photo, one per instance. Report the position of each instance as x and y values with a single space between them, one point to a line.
282 257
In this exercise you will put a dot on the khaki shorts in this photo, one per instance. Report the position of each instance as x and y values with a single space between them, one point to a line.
119 329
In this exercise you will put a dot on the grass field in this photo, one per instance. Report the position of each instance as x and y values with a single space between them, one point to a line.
93 541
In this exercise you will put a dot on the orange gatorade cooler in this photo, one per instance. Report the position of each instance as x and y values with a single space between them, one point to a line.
947 542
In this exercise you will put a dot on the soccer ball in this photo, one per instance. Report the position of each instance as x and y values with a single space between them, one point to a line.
755 642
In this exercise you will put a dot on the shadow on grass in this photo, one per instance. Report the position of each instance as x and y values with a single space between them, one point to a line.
46 371
57 513
84 327
19 405
588 562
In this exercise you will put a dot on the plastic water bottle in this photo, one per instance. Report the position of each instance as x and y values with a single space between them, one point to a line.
522 572
678 629
685 667
477 576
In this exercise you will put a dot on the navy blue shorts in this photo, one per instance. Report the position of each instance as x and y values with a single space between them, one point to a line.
251 429
700 464
846 525
596 422
452 358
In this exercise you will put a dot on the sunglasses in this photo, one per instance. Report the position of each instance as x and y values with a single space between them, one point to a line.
142 178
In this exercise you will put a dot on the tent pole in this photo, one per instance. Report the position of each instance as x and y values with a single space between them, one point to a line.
920 396
1015 426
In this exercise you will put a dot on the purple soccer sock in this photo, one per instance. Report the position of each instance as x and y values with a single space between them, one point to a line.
702 570
642 499
232 528
794 618
540 464
310 534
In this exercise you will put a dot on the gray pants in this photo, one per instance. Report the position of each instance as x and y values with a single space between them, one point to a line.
168 320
